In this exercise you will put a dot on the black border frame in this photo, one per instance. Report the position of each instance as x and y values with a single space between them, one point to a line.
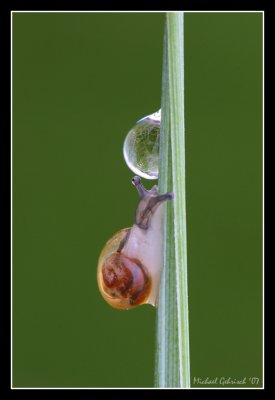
5 148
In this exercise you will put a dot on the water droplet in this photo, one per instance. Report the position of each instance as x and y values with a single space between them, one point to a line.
141 146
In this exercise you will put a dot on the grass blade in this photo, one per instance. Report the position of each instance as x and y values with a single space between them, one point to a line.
172 356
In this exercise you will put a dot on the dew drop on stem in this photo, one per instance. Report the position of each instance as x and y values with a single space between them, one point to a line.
141 146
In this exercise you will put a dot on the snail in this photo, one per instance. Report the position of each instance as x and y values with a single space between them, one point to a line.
130 265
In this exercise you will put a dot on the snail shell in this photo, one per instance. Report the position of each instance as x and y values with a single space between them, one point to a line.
130 265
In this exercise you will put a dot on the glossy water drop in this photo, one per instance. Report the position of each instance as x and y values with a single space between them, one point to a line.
141 146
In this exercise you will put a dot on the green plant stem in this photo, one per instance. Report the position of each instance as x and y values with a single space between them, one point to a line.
172 356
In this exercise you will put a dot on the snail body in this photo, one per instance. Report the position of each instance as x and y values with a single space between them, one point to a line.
130 265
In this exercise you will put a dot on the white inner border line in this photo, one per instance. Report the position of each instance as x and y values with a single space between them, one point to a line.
263 265
11 177
137 11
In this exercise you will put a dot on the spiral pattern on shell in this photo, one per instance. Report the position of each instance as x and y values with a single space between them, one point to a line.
125 280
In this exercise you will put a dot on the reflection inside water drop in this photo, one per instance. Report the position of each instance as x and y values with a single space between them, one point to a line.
141 146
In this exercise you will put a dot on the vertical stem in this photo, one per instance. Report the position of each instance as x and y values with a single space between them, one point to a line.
167 360
176 93
172 357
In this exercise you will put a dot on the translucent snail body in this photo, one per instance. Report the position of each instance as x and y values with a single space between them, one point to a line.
129 266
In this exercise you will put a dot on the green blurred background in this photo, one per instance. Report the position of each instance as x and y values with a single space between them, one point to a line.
80 81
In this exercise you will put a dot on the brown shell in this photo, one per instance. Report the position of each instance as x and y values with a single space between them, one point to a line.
123 282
